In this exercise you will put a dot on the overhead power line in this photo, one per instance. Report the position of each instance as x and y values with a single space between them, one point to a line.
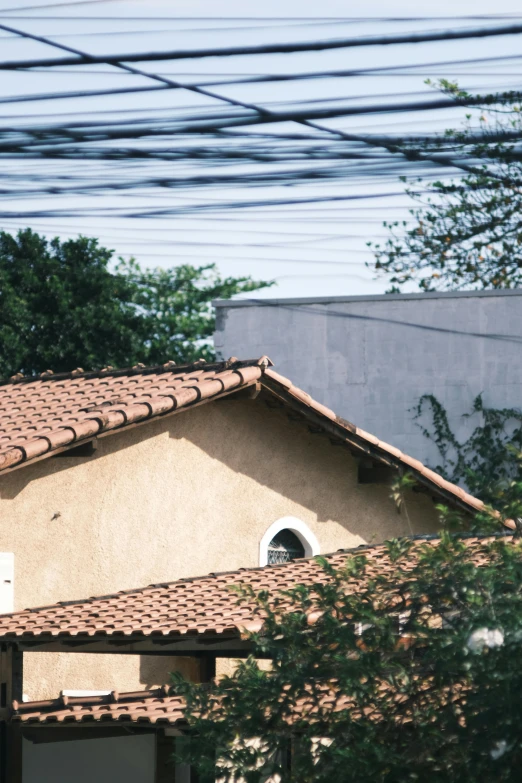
17 9
225 19
219 121
204 207
261 114
274 48
209 132
412 69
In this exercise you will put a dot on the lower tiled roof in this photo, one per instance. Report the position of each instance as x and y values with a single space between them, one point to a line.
318 700
155 707
192 607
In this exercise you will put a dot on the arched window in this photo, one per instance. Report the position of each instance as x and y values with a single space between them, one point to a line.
285 540
284 546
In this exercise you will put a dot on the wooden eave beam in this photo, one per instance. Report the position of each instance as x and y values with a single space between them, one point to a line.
43 733
195 646
85 449
244 393
356 445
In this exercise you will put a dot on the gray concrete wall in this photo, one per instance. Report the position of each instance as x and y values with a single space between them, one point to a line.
371 358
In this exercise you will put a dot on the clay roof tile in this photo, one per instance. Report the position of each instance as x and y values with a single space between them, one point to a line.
209 607
40 415
151 706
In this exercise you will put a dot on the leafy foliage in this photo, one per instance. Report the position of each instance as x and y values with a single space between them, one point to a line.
405 672
175 308
489 461
62 307
468 235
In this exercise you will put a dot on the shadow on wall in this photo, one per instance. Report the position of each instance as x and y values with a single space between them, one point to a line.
155 670
261 443
11 484
264 444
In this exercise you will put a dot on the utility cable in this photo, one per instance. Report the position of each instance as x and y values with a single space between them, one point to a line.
274 48
444 160
266 78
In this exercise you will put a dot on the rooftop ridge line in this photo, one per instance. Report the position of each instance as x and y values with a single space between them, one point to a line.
172 367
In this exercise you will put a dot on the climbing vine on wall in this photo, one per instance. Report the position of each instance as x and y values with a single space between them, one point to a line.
489 461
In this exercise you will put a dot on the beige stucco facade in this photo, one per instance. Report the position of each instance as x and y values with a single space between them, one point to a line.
181 496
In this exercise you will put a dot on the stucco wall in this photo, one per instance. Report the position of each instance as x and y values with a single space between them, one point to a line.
183 496
371 358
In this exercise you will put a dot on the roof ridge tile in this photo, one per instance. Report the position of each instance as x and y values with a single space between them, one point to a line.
138 369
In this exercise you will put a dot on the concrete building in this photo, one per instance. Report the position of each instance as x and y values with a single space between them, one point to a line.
371 358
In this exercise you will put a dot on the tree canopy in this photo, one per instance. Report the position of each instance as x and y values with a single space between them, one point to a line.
400 669
63 305
468 233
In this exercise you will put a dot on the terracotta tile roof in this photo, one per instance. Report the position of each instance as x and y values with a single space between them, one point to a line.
188 607
154 707
38 416
41 416
157 707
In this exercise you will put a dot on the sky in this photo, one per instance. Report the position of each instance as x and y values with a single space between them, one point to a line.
309 249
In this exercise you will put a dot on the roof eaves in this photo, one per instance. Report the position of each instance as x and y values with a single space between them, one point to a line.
364 443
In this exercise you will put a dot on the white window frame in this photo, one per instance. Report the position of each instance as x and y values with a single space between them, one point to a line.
79 694
302 531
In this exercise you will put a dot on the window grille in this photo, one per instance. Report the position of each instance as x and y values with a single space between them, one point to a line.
284 546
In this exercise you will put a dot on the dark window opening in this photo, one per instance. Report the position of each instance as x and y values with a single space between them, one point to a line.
284 546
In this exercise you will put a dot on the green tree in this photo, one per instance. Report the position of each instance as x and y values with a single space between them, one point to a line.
468 233
175 307
390 668
62 306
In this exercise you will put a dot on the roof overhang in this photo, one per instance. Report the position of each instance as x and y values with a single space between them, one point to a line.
217 645
110 715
